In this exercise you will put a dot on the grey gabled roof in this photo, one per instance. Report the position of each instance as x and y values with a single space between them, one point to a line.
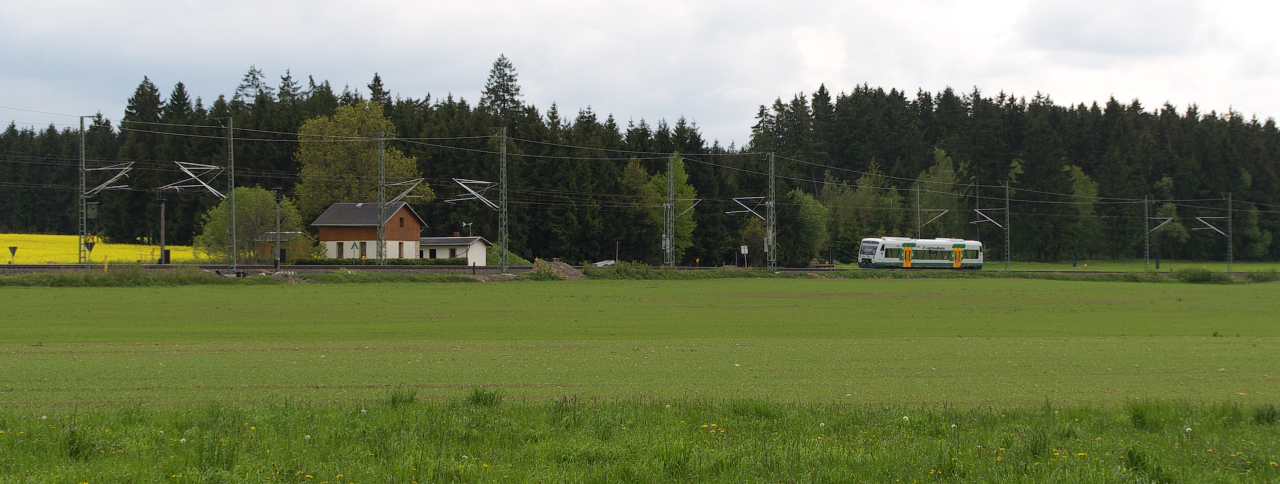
451 241
271 236
360 215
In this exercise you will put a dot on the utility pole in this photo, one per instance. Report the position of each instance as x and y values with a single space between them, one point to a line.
503 235
977 205
279 198
917 211
1146 231
669 228
82 251
770 244
382 198
233 257
1007 226
162 201
1231 243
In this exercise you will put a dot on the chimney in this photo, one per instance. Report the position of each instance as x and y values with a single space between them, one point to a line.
457 234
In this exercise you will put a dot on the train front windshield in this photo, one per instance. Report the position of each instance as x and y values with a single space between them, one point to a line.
868 248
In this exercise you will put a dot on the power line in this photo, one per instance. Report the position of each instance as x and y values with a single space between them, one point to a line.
39 112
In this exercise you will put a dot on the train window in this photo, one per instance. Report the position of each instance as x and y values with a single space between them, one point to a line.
893 253
970 254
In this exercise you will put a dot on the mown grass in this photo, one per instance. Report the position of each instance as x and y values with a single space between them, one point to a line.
967 342
481 439
765 309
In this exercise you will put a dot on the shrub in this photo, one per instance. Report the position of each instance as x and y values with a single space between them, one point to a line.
341 276
456 261
1269 275
1199 275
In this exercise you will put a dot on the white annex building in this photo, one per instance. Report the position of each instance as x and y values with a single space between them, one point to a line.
471 248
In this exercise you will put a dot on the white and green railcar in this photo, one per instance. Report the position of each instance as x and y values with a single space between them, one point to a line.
902 252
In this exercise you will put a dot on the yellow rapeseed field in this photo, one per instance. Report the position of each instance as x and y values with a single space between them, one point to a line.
61 249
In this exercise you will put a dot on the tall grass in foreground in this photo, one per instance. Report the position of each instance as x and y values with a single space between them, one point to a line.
482 438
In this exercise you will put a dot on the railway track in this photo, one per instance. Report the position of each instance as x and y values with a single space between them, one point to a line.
459 270
258 269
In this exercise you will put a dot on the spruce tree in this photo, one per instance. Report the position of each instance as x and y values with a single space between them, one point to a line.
502 91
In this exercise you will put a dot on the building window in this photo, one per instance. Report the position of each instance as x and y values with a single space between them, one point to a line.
401 222
453 253
401 246
364 250
340 247
431 254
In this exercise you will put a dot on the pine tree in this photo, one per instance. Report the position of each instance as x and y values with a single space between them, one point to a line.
289 89
377 93
502 91
253 84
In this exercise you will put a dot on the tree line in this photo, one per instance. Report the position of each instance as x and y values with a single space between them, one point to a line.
864 163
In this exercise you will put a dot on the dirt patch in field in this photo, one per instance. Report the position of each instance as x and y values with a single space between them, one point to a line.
565 271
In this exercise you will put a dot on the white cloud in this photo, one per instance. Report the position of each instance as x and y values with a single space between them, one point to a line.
711 61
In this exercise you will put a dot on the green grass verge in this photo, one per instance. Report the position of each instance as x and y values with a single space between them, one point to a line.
130 275
482 438
353 276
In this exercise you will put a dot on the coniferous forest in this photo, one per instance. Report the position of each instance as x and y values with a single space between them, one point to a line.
1080 179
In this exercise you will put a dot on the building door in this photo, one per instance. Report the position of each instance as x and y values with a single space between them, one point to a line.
340 247
401 250
364 250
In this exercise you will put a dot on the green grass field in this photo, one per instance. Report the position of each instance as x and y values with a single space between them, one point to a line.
392 382
965 342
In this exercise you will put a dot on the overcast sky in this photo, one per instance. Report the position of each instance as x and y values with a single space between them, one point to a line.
713 62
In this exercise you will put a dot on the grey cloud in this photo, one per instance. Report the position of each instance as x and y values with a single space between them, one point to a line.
1122 28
